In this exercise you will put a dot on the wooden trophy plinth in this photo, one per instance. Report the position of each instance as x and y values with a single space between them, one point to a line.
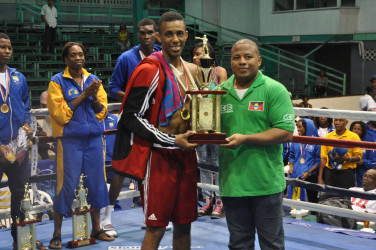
81 234
206 117
26 234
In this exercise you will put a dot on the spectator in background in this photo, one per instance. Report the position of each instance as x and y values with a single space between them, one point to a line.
304 103
373 80
369 186
207 154
77 104
43 147
339 170
48 15
124 67
128 61
321 84
369 156
324 125
367 101
304 160
123 38
43 99
219 72
359 128
110 123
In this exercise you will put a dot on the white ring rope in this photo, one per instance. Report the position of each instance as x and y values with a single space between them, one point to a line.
337 113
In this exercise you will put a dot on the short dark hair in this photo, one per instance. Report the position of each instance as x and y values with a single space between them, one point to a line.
146 21
4 36
361 124
170 16
211 51
369 89
304 124
317 122
69 45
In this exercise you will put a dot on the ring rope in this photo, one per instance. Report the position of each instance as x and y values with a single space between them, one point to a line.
336 113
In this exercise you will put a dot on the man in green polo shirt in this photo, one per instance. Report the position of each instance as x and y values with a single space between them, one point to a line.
258 116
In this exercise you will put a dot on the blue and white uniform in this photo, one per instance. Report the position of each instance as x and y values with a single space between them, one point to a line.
304 157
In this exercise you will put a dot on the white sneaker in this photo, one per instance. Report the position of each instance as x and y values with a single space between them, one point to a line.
110 230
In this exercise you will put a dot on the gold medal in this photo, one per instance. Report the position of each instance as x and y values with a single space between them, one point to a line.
4 108
302 160
185 115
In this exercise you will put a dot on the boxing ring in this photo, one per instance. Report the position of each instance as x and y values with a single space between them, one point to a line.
210 233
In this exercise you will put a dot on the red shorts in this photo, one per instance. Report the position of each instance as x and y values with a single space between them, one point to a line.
170 187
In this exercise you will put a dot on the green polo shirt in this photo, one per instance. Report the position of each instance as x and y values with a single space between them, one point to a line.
253 170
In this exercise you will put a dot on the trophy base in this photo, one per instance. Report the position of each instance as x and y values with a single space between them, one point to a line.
81 243
24 223
208 138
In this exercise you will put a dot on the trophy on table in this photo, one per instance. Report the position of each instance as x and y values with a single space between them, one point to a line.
81 218
26 233
206 103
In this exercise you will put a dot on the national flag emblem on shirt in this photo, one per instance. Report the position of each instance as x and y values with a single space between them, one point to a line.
257 106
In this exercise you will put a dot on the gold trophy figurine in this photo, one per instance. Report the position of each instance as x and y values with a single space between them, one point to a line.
206 103
26 230
81 218
206 65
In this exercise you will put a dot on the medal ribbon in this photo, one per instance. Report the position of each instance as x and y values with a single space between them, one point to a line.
187 82
82 83
5 97
301 150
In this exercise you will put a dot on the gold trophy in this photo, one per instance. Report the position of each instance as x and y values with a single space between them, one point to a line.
26 233
81 218
206 103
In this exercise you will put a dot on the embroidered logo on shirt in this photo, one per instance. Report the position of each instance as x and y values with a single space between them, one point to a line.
72 92
152 217
227 108
16 80
257 106
111 124
289 118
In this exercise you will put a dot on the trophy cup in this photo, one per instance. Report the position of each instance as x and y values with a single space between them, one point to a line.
206 103
81 218
26 234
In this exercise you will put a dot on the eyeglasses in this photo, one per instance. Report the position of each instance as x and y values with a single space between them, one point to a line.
369 177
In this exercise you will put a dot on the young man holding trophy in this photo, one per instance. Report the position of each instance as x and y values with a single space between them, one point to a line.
152 133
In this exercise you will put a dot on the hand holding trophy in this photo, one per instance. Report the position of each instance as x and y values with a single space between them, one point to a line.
206 103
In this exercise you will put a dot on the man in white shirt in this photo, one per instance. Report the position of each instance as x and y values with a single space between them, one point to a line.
49 17
369 186
367 101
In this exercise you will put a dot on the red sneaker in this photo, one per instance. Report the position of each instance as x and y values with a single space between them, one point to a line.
207 208
218 211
